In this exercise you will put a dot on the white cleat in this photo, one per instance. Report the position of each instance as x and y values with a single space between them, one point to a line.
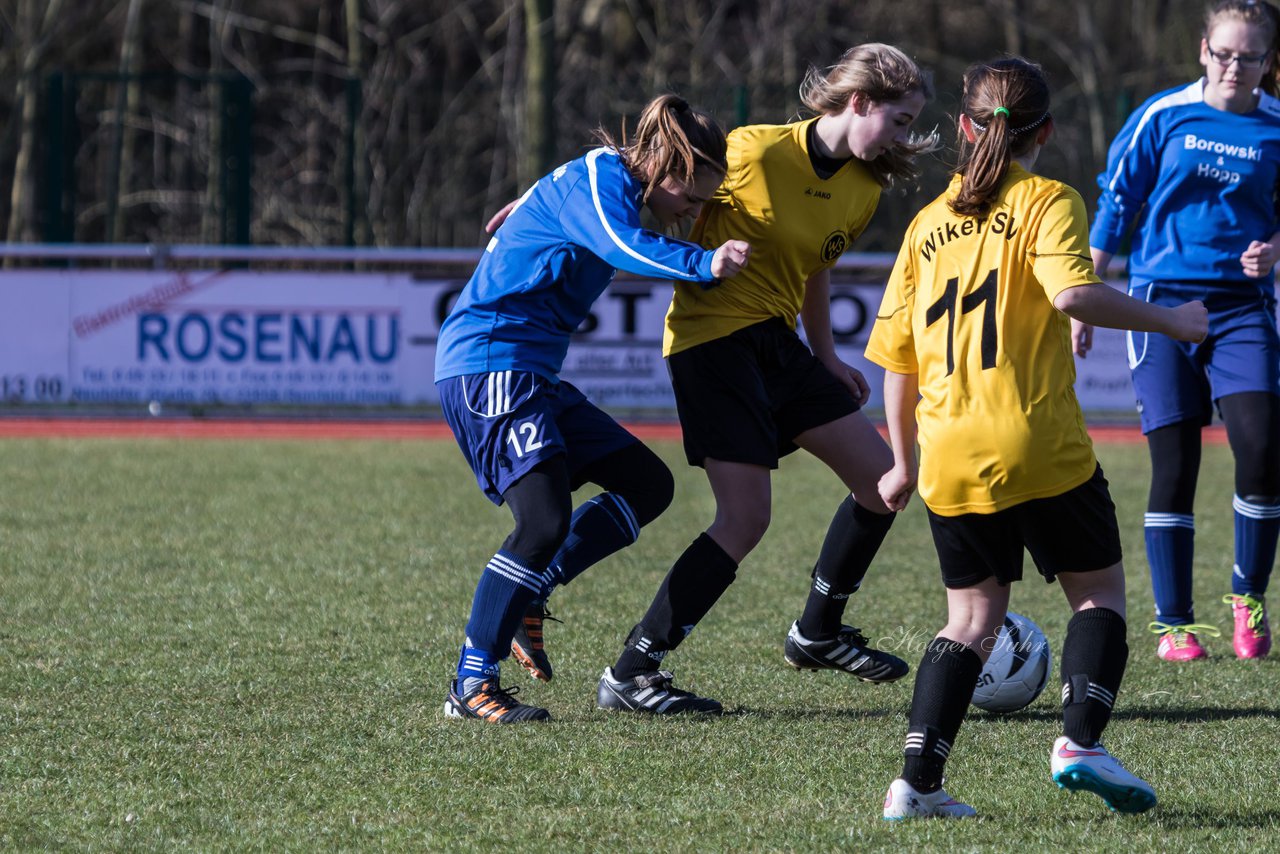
1093 769
903 801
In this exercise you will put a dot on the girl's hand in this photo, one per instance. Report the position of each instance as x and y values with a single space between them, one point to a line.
500 217
1259 258
1081 338
730 258
1190 322
896 486
852 378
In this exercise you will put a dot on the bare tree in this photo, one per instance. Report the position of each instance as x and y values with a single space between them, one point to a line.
461 103
35 33
128 94
540 89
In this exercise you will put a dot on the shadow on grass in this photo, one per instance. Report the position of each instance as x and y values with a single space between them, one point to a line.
1209 819
833 713
1179 715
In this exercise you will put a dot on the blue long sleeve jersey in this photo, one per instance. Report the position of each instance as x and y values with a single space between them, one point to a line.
1198 182
551 259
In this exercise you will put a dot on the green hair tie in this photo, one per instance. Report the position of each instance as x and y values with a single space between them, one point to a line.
998 110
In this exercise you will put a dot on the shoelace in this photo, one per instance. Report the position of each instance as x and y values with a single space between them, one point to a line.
850 635
544 615
1178 634
661 680
1257 608
506 697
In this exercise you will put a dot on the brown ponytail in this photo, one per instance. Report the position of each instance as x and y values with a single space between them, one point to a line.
672 138
1007 101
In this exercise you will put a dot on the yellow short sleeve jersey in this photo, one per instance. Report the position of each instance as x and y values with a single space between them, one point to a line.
969 309
797 224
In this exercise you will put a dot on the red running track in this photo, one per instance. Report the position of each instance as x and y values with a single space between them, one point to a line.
324 429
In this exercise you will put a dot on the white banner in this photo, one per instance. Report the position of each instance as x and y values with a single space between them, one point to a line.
348 339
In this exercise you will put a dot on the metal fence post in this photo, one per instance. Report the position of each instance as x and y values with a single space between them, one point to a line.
237 151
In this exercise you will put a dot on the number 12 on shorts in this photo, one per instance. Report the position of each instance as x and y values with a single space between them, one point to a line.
529 432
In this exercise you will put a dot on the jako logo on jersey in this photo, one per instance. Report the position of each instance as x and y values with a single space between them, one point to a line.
817 194
269 337
1195 143
833 247
1002 223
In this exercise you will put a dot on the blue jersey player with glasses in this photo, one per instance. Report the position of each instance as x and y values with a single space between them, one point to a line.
1195 173
532 439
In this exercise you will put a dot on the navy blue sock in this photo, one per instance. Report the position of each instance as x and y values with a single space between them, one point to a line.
599 527
506 588
1171 539
1257 527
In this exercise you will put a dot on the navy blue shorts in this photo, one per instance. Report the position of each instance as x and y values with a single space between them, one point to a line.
745 397
1072 532
507 422
1176 381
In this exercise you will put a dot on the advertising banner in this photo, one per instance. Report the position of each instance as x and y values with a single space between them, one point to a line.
349 340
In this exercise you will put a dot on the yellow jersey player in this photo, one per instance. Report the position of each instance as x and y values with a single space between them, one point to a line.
974 336
749 391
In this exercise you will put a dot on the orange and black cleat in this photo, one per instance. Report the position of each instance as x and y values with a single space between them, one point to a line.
487 702
527 647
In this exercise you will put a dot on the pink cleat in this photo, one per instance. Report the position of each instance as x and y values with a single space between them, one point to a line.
1252 637
1179 643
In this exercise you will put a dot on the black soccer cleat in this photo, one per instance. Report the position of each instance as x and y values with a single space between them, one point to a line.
487 702
847 651
652 693
527 647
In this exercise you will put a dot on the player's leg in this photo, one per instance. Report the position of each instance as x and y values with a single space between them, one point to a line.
690 589
1173 397
815 411
1074 537
726 416
852 448
1244 371
980 555
1253 428
540 506
506 430
637 487
1094 655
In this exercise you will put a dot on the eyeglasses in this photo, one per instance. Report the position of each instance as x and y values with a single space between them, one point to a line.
1246 60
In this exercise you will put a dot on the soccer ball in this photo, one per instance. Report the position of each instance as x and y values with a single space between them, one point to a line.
1018 668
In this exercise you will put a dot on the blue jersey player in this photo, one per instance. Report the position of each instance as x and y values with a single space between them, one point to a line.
532 439
1195 173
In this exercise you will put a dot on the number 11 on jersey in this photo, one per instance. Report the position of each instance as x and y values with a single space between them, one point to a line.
985 296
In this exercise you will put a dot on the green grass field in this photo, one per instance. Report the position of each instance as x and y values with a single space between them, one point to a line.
217 645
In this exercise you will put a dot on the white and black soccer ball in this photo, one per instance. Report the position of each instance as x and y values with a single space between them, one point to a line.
1018 668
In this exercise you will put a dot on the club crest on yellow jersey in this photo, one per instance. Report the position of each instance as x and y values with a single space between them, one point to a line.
834 246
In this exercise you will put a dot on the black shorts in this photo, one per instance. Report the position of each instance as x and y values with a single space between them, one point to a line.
745 397
1072 532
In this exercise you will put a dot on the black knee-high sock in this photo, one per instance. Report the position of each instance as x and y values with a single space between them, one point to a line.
853 538
692 586
1094 655
945 681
